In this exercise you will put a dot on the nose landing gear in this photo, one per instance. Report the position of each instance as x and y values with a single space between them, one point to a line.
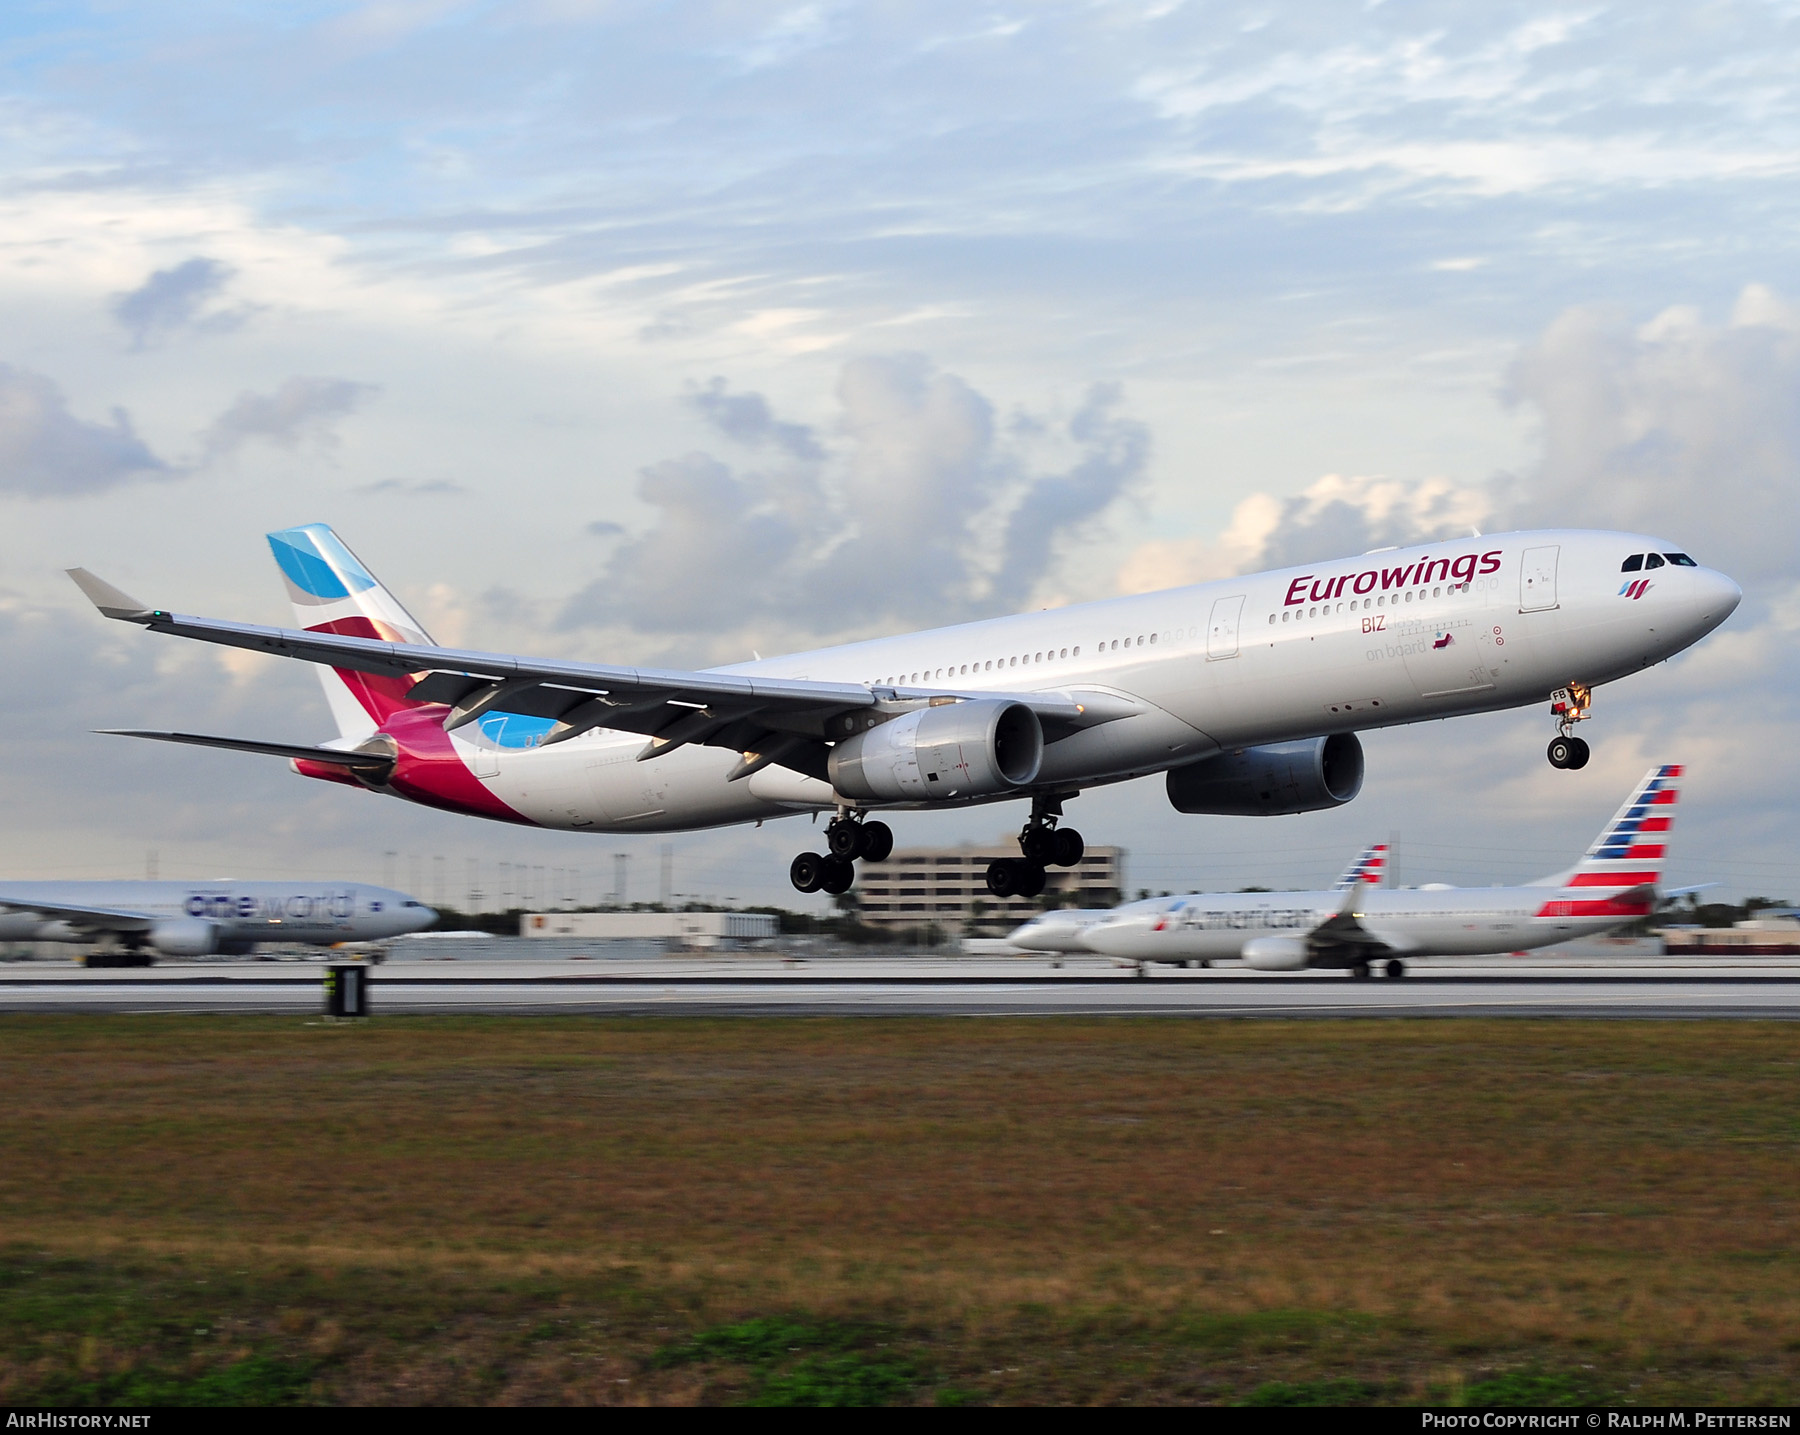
849 839
1569 706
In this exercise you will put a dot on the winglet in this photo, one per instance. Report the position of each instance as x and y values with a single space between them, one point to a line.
108 599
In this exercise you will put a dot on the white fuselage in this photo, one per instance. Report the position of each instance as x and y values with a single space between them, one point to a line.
242 913
1427 921
1332 647
1059 930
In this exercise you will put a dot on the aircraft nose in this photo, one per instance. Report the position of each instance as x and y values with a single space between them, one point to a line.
422 918
1715 599
1112 936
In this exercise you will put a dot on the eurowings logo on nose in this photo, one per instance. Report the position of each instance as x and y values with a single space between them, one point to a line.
1636 588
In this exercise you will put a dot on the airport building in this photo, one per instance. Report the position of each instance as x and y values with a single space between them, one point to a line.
946 887
1771 932
701 930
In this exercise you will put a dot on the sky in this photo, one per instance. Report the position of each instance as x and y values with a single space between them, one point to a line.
651 332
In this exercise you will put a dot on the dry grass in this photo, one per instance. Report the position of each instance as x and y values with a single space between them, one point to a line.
1051 1209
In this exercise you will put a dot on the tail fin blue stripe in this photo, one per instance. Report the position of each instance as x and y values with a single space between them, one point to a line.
315 562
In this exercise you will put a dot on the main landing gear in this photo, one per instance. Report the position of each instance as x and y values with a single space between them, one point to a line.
1569 706
849 839
1043 844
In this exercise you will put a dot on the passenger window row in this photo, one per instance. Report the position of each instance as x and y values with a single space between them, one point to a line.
1049 655
930 675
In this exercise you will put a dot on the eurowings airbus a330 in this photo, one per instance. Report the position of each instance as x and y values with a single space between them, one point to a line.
1355 926
1248 693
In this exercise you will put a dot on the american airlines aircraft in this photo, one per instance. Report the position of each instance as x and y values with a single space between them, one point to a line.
134 921
1353 927
1248 693
1064 929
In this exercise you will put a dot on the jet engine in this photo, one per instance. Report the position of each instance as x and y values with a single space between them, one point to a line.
185 937
1273 780
1275 954
934 754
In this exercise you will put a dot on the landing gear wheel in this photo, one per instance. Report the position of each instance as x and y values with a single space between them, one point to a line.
1561 751
1360 971
1069 847
1011 877
845 838
807 872
878 841
1578 754
1396 969
1038 844
839 875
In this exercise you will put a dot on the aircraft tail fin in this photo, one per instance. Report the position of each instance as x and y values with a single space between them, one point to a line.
1620 872
332 592
1370 867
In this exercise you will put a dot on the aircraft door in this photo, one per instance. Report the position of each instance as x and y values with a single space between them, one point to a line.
1222 628
1537 579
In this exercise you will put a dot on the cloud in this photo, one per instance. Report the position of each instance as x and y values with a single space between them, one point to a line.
748 419
426 487
173 300
46 452
1678 427
915 507
301 411
1332 517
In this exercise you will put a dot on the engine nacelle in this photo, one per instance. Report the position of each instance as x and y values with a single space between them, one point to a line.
1273 780
935 754
1275 954
185 937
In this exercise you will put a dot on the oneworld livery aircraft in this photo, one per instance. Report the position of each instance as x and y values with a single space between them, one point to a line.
1352 927
132 922
1248 693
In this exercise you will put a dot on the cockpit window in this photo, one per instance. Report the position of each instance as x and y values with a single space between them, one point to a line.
1681 560
412 904
1653 560
1632 564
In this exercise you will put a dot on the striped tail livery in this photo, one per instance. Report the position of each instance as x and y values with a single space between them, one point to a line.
1619 875
1370 868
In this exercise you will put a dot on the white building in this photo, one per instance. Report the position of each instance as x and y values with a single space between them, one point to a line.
685 929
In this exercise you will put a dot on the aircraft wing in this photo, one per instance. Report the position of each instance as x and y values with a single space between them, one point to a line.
94 919
1341 939
770 719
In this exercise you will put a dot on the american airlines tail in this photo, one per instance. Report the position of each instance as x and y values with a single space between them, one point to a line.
1619 874
1369 868
333 593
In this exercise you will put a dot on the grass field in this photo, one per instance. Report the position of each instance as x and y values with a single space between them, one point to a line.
232 1209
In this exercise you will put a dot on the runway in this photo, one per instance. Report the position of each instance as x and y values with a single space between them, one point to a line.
765 985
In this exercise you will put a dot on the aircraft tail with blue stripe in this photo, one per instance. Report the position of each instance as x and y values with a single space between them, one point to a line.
332 592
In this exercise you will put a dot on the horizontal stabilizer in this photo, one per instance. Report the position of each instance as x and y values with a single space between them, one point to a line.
370 762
